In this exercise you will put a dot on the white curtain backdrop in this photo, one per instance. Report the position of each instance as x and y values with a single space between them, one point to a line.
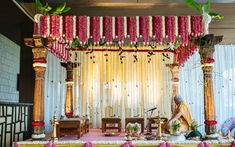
104 87
54 90
191 84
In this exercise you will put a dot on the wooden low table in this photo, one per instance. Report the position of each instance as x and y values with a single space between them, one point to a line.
139 120
112 121
72 126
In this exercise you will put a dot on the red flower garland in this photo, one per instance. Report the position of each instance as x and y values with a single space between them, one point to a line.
54 26
69 27
183 29
144 28
209 60
170 28
95 28
119 28
210 122
43 26
69 114
82 28
40 60
131 29
38 123
157 28
107 27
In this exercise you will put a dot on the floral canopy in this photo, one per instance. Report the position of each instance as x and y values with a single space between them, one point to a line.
154 33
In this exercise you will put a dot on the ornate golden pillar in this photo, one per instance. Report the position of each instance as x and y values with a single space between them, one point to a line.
38 45
174 68
68 108
206 51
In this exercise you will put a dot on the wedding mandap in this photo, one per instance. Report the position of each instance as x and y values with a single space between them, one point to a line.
114 72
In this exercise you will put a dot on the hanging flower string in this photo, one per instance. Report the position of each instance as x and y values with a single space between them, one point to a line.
95 29
82 29
170 28
119 29
43 26
69 27
131 29
196 26
107 27
184 52
55 26
144 29
183 29
157 28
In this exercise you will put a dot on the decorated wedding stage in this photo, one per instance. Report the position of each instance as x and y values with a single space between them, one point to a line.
70 38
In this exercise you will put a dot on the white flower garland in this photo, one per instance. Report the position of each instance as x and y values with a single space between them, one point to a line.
157 142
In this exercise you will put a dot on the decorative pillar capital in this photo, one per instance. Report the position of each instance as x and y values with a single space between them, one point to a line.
207 47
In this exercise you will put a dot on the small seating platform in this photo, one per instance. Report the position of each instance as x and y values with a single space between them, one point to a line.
114 123
73 126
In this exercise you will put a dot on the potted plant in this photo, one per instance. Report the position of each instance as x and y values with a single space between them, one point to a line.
194 134
136 129
175 127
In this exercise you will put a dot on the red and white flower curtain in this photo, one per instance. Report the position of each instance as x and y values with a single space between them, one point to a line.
158 29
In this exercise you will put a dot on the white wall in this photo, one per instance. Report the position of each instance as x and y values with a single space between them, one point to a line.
9 68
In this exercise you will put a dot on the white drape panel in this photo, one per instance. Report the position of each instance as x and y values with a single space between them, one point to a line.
224 82
191 84
105 87
54 90
191 87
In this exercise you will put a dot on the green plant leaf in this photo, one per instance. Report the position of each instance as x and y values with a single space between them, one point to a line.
47 8
59 9
75 43
216 15
66 9
207 6
38 4
194 5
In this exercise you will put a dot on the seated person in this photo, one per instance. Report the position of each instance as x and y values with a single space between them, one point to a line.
182 113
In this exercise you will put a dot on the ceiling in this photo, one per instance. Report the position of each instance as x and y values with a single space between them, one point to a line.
147 7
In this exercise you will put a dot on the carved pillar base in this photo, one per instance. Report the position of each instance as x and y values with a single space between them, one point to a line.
207 44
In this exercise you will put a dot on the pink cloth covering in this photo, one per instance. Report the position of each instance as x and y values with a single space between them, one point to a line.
96 135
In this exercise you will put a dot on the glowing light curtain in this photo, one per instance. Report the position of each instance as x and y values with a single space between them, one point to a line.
105 87
191 85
